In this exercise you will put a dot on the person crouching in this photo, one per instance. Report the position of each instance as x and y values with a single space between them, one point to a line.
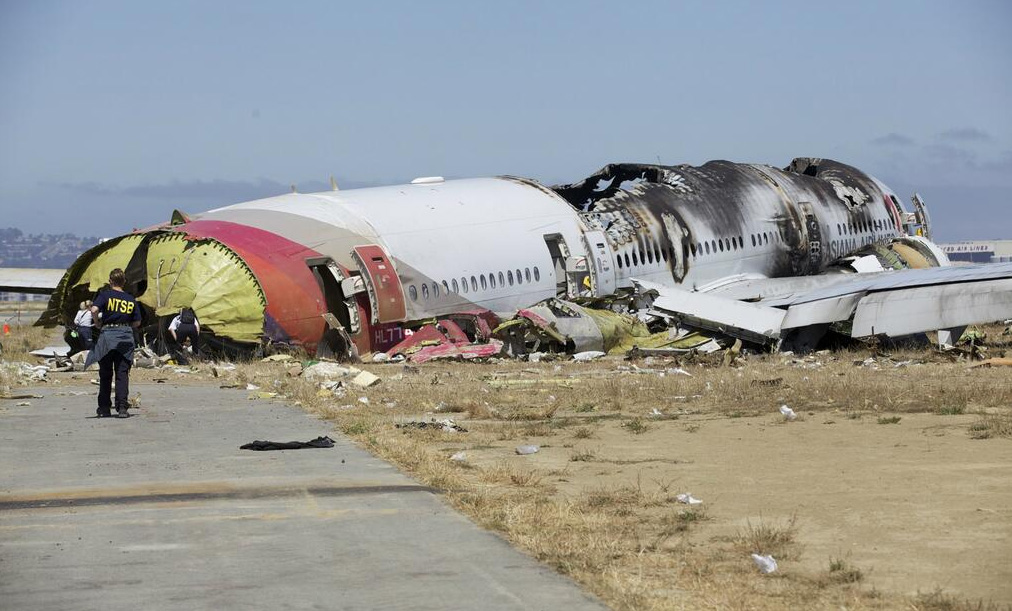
185 326
116 314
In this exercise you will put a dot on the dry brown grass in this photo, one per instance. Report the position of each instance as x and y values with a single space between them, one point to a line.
991 425
630 543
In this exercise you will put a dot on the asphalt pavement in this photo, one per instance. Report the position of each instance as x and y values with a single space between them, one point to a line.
164 511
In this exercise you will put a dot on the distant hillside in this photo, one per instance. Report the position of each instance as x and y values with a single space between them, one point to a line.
40 250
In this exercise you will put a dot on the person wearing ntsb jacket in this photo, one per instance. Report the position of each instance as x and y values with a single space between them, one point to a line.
116 313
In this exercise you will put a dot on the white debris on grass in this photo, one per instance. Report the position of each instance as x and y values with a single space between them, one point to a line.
524 450
686 498
788 413
365 379
588 355
766 563
252 387
459 457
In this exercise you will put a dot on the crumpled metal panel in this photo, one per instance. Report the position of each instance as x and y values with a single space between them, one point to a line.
209 277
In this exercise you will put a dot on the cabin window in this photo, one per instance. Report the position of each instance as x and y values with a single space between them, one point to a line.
446 287
618 260
650 254
635 260
657 253
491 279
520 278
425 292
707 246
720 245
509 276
537 274
527 274
484 282
753 240
766 237
664 253
435 289
643 257
627 260
474 284
502 280
692 248
456 287
413 293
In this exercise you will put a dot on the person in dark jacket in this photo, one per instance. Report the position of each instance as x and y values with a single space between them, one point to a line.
185 326
116 314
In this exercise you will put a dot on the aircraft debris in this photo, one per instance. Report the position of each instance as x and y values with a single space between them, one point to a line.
788 413
446 425
766 563
632 259
686 498
525 450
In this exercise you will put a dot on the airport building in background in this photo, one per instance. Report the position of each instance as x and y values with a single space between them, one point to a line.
979 251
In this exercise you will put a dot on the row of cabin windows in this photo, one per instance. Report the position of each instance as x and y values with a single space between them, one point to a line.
860 227
483 281
653 253
732 244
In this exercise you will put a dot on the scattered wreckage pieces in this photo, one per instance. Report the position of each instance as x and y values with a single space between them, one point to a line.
446 425
446 340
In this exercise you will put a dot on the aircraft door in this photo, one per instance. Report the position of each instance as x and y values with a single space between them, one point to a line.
601 264
811 238
386 295
565 284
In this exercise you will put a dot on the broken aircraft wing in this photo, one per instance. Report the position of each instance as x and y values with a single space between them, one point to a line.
892 304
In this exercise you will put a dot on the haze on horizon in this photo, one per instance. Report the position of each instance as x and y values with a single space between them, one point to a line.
115 113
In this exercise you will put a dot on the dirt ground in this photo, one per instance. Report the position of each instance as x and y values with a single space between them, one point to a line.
891 489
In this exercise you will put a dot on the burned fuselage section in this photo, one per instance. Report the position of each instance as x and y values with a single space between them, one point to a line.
693 225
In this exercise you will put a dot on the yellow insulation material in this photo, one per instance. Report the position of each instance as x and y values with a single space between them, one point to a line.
208 277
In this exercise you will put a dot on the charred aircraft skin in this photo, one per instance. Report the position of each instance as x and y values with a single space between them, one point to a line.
326 270
680 223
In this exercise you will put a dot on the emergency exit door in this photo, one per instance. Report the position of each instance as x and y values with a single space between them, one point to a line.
386 295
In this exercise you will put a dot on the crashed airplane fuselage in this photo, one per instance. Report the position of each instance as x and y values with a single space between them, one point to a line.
326 270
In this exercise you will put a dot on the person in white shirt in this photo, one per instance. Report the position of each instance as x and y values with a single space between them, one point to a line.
83 323
185 326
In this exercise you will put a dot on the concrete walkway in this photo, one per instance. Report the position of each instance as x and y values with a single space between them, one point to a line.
163 511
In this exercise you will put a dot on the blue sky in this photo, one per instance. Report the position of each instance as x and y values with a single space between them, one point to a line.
114 113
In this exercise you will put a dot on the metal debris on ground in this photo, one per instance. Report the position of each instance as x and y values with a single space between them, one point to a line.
788 413
526 450
446 425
